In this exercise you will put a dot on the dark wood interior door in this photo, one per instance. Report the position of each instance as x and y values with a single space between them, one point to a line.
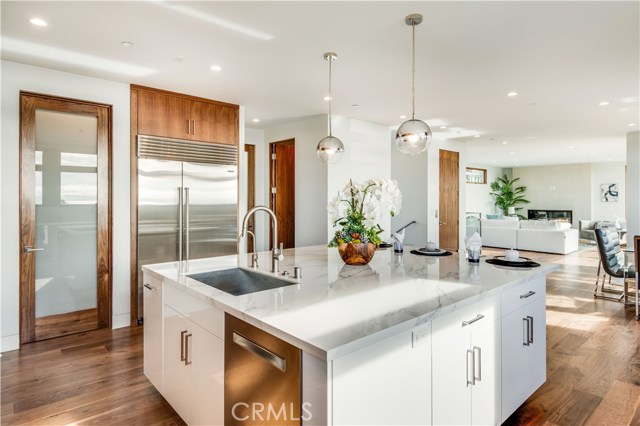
251 188
283 196
449 199
65 216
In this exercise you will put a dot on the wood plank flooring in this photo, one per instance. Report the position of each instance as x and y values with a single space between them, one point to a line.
96 378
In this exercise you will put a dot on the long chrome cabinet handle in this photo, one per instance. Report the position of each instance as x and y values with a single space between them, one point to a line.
180 219
477 350
182 339
188 127
525 332
471 382
530 318
273 359
30 249
149 287
477 318
186 228
187 360
527 294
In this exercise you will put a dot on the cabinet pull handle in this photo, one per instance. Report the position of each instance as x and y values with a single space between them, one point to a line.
193 127
525 332
479 376
530 328
149 287
187 361
188 127
182 339
477 318
265 354
527 294
473 373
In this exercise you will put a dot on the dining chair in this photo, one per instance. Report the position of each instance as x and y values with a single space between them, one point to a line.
612 261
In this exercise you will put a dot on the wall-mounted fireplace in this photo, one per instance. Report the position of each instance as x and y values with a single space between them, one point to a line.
559 215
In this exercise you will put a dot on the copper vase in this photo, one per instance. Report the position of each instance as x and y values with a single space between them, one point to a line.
356 253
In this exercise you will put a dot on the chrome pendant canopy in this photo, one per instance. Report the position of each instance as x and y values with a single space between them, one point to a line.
413 136
330 148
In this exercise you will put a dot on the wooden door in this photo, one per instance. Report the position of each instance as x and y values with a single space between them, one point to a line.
65 216
449 199
251 188
283 170
164 115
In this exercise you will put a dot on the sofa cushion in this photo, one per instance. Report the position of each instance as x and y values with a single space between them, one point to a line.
494 216
500 223
545 224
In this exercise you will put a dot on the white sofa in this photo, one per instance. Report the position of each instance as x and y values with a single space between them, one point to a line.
530 235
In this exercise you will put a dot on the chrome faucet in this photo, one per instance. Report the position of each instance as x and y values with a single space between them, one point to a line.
276 254
254 255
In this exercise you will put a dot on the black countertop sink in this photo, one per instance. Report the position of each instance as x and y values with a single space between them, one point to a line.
238 281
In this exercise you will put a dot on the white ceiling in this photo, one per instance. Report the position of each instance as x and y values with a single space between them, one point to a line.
563 58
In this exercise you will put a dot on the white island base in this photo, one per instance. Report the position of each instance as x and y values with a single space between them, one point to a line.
406 340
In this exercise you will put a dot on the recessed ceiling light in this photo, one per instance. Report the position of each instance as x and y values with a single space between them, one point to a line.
443 127
127 44
570 146
327 98
631 124
604 103
216 68
402 117
256 120
355 106
504 142
512 94
476 136
512 152
38 22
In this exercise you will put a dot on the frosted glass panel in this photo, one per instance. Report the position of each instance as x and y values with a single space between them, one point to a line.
66 212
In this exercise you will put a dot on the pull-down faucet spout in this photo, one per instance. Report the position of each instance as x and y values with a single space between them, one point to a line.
276 252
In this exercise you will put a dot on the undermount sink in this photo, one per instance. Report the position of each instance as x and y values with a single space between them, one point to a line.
238 281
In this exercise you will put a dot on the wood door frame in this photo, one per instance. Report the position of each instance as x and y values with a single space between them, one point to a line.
251 189
29 102
272 145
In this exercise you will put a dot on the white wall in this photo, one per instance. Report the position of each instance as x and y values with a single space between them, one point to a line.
559 187
16 77
633 184
606 173
367 154
479 197
311 176
419 180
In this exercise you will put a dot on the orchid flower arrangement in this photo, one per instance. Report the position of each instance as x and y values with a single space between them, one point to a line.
358 208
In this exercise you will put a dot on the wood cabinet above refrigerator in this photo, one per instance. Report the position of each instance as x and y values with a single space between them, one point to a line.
174 115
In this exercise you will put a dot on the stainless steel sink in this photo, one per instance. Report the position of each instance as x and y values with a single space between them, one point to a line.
239 281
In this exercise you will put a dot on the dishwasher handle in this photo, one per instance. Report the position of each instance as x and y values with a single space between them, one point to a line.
273 359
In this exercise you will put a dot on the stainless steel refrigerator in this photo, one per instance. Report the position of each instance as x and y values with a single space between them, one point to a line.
187 202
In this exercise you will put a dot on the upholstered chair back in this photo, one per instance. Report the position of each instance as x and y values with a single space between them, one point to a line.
610 254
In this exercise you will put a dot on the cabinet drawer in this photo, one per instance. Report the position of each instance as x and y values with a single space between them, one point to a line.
523 294
478 313
199 311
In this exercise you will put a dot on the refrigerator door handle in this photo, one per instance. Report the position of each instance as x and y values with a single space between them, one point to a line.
186 227
180 220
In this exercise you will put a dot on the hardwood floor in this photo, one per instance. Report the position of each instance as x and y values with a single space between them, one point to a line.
96 378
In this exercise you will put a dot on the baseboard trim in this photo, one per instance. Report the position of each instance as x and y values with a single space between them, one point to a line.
9 343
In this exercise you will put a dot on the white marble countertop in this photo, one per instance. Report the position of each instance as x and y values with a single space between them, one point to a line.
336 308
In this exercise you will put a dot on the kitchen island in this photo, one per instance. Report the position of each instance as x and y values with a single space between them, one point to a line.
404 340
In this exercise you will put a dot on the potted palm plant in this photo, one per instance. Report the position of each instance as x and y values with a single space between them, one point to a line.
506 194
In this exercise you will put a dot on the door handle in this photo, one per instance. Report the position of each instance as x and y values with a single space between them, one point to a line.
477 350
149 287
29 249
182 339
443 223
530 328
187 360
180 220
477 318
186 227
273 359
525 332
471 382
527 294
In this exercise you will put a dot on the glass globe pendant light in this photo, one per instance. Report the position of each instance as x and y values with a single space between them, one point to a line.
413 136
330 148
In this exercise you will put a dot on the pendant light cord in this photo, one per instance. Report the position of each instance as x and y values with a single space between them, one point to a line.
413 75
330 96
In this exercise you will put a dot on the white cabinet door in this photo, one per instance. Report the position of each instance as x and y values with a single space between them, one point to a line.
485 392
206 393
152 299
523 355
386 383
176 387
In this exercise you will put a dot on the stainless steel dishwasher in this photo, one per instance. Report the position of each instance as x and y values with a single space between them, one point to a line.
262 377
